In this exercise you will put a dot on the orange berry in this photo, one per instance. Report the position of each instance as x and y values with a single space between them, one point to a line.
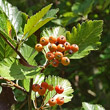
44 84
52 102
35 87
74 47
41 91
50 87
59 89
61 39
58 55
38 47
50 56
52 47
52 39
61 47
60 100
65 61
55 63
44 41
67 45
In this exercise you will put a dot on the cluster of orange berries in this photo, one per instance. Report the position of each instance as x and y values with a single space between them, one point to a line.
58 47
41 89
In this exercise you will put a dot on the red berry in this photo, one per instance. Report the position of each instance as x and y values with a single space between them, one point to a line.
50 56
74 47
44 41
55 63
35 87
41 91
65 61
60 100
67 45
52 39
58 55
44 84
61 47
52 47
52 102
38 47
50 87
59 89
61 39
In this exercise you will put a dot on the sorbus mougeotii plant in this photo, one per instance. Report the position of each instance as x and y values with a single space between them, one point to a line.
19 53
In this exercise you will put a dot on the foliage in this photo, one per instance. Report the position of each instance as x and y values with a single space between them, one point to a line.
81 22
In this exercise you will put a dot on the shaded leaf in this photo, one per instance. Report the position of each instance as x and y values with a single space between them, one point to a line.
11 69
67 94
86 36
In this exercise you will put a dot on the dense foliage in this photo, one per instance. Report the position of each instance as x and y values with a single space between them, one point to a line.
89 75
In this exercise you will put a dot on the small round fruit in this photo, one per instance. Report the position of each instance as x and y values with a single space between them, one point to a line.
67 45
35 87
60 100
65 61
61 39
58 55
41 91
52 39
59 89
44 41
61 47
52 102
38 47
52 47
74 47
50 56
44 84
55 63
50 87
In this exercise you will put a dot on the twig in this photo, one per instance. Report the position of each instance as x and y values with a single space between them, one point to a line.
44 98
45 66
15 85
35 102
29 95
22 58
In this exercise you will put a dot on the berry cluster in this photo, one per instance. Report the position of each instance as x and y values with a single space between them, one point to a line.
41 89
58 49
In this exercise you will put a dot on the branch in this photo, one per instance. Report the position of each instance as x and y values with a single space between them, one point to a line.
15 85
22 58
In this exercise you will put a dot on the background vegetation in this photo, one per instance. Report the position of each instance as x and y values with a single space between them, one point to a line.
90 76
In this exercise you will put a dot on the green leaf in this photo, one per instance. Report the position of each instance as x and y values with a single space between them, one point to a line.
67 94
51 13
28 53
35 21
11 69
86 36
88 106
82 8
55 31
12 13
